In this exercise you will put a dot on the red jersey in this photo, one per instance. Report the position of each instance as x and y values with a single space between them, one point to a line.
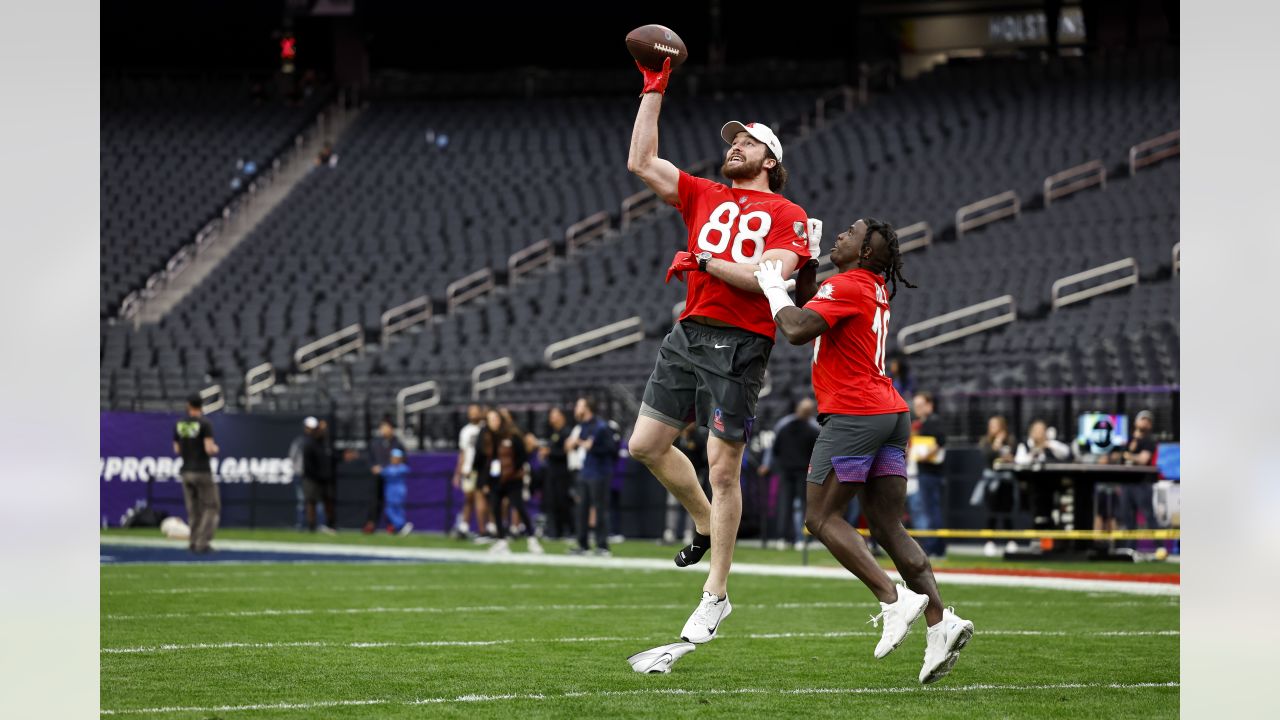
848 359
738 226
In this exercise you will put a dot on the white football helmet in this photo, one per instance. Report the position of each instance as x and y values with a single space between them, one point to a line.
661 658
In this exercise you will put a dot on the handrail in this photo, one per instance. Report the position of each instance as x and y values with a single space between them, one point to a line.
638 205
257 380
404 407
1009 316
907 240
346 340
585 230
403 317
523 262
844 92
634 324
967 217
479 383
1058 300
469 287
1177 258
1085 174
211 392
1136 163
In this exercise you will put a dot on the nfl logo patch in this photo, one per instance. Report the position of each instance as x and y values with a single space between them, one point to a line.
717 420
742 200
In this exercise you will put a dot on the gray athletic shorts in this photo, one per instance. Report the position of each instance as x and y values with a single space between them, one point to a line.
711 375
860 447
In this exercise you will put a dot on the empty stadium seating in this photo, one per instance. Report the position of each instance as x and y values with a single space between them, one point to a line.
169 152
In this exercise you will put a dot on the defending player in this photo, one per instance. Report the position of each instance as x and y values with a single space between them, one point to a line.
865 428
711 365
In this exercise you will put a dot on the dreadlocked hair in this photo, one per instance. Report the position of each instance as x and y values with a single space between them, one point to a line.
893 264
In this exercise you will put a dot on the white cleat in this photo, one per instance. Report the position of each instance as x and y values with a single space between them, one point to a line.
661 658
408 528
500 548
705 620
535 547
898 618
943 644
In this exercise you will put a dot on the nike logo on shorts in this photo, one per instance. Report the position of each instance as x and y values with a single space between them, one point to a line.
721 347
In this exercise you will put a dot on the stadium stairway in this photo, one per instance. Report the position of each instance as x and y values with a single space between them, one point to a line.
335 120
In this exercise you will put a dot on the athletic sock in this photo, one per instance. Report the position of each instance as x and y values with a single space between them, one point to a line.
690 554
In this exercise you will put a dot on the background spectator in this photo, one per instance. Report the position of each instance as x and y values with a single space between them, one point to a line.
557 504
193 441
788 456
1041 447
295 458
500 458
597 439
381 446
997 489
1137 496
318 483
465 477
395 473
928 450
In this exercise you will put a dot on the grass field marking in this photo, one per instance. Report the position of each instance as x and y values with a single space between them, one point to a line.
152 649
567 561
914 689
394 588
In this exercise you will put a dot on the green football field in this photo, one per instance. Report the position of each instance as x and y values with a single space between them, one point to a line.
456 639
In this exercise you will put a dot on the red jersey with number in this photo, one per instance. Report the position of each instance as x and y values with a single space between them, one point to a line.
848 359
738 226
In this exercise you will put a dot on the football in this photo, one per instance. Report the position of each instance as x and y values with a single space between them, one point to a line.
651 44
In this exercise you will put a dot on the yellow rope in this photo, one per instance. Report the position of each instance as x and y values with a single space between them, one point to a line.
1171 534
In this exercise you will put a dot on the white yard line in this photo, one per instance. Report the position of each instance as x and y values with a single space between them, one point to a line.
480 557
909 690
151 649
435 587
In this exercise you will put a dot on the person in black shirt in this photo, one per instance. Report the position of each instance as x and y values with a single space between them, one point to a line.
928 449
1141 450
318 479
193 441
555 492
794 437
380 447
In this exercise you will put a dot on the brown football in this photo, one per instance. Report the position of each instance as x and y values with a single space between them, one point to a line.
651 44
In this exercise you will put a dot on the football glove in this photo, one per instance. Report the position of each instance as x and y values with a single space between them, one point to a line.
683 262
815 238
655 80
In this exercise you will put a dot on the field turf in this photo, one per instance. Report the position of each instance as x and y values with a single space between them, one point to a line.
347 640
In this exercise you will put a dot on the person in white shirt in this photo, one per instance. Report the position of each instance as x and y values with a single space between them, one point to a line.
464 478
1041 447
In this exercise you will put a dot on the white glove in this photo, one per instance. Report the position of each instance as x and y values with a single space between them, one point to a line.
815 238
769 275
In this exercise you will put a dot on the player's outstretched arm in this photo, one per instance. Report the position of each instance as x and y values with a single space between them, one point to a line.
743 275
798 325
662 177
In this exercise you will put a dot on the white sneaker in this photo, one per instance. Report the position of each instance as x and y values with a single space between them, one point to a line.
535 547
702 624
661 658
1010 547
990 549
898 618
408 528
943 643
500 548
799 545
325 529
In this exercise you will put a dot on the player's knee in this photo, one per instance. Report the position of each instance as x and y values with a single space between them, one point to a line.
645 451
723 479
814 521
